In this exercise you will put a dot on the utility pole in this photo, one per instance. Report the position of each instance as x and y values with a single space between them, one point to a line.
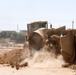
73 24
17 28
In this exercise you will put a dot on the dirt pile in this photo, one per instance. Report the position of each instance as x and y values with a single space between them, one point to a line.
23 57
14 57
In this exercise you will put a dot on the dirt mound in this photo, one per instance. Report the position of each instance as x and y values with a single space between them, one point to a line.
20 57
13 57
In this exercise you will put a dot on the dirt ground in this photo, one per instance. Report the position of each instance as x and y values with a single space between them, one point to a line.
41 63
5 70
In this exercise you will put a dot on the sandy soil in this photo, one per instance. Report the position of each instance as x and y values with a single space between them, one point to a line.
4 70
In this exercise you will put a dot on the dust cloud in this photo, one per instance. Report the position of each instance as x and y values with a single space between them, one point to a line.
43 58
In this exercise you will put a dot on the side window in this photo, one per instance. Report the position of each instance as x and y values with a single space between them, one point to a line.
29 28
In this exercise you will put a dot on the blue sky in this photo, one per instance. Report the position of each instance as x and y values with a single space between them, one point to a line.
21 12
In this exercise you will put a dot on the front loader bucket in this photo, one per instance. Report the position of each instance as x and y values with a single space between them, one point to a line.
68 47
